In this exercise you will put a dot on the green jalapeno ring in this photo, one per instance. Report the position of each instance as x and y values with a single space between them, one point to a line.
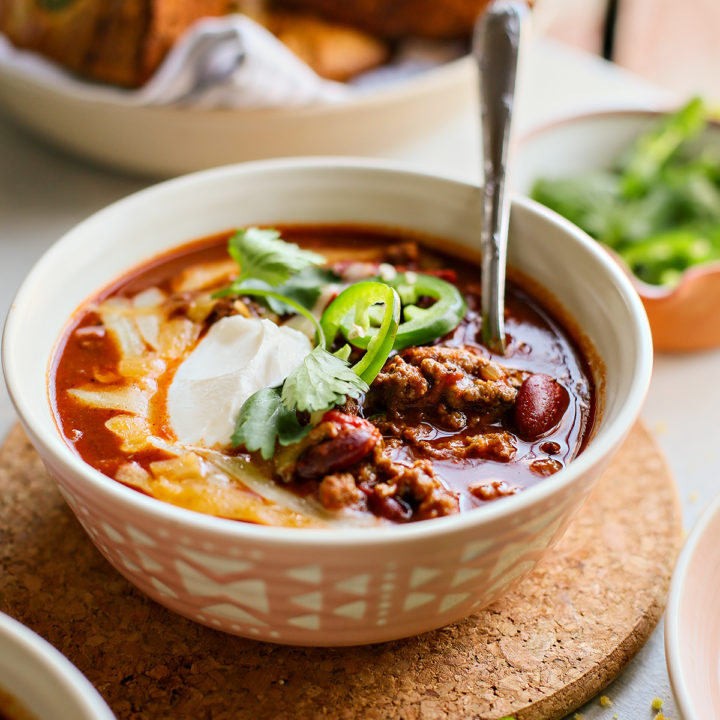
421 325
355 305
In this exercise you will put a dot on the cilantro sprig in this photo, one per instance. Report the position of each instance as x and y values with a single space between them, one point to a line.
263 255
284 276
269 416
269 263
320 382
264 420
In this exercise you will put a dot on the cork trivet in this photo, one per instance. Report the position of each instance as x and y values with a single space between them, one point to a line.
541 652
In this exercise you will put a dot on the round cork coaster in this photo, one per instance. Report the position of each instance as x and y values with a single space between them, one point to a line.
541 652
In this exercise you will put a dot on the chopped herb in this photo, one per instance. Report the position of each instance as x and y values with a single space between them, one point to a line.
304 288
262 255
263 420
652 150
658 208
322 381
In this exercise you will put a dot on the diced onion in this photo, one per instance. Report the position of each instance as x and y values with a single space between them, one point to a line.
187 466
152 297
200 308
148 325
126 399
133 474
118 321
202 276
138 368
176 336
148 322
132 430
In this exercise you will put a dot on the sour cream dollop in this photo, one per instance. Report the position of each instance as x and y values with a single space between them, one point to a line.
237 357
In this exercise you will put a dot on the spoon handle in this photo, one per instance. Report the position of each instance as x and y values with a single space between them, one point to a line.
496 48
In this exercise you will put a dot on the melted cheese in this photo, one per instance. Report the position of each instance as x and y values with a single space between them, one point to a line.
237 357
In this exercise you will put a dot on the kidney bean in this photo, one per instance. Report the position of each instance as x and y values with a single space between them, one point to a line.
349 441
389 507
540 404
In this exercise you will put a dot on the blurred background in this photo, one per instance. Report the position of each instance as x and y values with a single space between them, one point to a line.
673 44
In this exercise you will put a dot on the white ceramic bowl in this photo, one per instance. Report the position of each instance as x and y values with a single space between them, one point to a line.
166 140
43 680
682 318
320 587
692 620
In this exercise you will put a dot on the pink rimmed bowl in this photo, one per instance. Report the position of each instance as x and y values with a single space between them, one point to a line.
324 587
683 317
692 620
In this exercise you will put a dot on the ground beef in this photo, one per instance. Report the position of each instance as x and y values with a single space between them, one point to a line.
402 491
357 464
546 467
449 387
340 491
354 469
492 490
498 446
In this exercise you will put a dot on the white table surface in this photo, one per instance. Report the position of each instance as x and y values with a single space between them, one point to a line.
43 193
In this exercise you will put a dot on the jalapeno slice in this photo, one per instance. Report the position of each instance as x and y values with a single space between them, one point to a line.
420 325
356 307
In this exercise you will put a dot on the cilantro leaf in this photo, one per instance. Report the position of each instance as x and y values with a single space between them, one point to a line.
320 382
304 288
263 419
262 255
653 149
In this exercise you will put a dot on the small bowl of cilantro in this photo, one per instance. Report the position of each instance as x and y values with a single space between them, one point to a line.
647 186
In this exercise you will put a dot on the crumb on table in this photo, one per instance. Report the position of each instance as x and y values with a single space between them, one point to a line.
605 701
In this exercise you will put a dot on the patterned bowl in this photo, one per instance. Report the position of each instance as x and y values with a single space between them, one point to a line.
683 317
42 680
316 587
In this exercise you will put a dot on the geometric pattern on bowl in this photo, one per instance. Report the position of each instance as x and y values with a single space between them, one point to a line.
225 584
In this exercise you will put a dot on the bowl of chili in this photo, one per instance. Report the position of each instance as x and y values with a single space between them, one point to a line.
347 584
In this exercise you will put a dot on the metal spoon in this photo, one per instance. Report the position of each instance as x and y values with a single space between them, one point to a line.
496 49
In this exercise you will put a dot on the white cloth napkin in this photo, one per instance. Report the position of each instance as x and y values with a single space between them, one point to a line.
252 68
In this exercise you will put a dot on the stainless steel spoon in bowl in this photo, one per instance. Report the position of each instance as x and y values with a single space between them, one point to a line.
496 48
